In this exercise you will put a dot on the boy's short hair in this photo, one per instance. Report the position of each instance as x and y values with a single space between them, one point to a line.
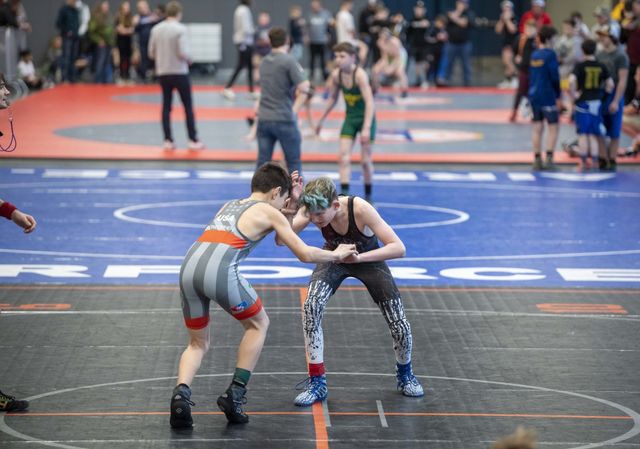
277 37
589 47
269 176
345 47
318 194
173 9
546 34
25 52
521 439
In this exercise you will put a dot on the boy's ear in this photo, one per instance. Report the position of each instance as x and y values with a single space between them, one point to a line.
276 192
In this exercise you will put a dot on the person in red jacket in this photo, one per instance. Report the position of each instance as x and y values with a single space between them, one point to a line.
9 403
536 13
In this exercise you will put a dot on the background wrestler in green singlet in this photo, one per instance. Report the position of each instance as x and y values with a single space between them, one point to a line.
360 114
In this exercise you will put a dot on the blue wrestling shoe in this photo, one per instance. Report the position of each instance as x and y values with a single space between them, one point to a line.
315 389
408 384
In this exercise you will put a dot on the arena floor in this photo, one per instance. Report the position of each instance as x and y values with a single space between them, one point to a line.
521 288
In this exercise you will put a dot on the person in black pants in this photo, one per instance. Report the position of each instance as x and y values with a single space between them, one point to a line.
168 47
243 38
319 22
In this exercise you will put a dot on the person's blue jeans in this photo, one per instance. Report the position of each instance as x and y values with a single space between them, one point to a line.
452 52
104 67
69 56
288 134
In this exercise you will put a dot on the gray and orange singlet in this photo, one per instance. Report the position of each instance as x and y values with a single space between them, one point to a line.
209 271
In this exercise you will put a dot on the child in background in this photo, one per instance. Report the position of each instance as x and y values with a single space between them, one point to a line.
588 83
544 96
27 71
569 53
524 47
297 26
436 38
262 44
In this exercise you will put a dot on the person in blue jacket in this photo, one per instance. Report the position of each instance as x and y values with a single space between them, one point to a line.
544 95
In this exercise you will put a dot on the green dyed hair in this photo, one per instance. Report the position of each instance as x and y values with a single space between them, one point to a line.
319 194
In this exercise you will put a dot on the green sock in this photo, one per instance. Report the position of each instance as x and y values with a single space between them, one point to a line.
241 376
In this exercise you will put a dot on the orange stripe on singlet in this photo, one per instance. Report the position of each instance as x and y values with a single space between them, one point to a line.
226 237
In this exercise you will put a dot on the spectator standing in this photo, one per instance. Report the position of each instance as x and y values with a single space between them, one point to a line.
544 95
507 28
604 21
102 36
84 44
380 21
632 30
365 19
53 60
459 46
617 63
568 48
417 42
618 9
588 84
281 75
145 21
319 21
84 13
436 40
68 24
262 43
581 28
24 27
524 47
538 14
124 38
168 46
345 23
297 26
243 38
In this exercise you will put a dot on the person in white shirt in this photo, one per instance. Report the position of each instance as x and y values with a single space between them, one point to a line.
168 47
243 38
345 24
27 71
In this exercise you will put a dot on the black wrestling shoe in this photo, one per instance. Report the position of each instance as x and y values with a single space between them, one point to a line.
181 408
231 404
11 404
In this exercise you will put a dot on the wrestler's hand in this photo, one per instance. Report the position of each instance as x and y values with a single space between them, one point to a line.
613 107
365 135
297 185
25 221
352 259
344 250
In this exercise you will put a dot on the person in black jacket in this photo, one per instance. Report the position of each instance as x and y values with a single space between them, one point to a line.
417 41
68 23
524 46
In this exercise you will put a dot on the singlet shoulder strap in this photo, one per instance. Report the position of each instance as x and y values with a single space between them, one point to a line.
352 215
340 83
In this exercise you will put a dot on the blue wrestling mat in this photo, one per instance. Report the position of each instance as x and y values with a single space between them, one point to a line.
491 229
